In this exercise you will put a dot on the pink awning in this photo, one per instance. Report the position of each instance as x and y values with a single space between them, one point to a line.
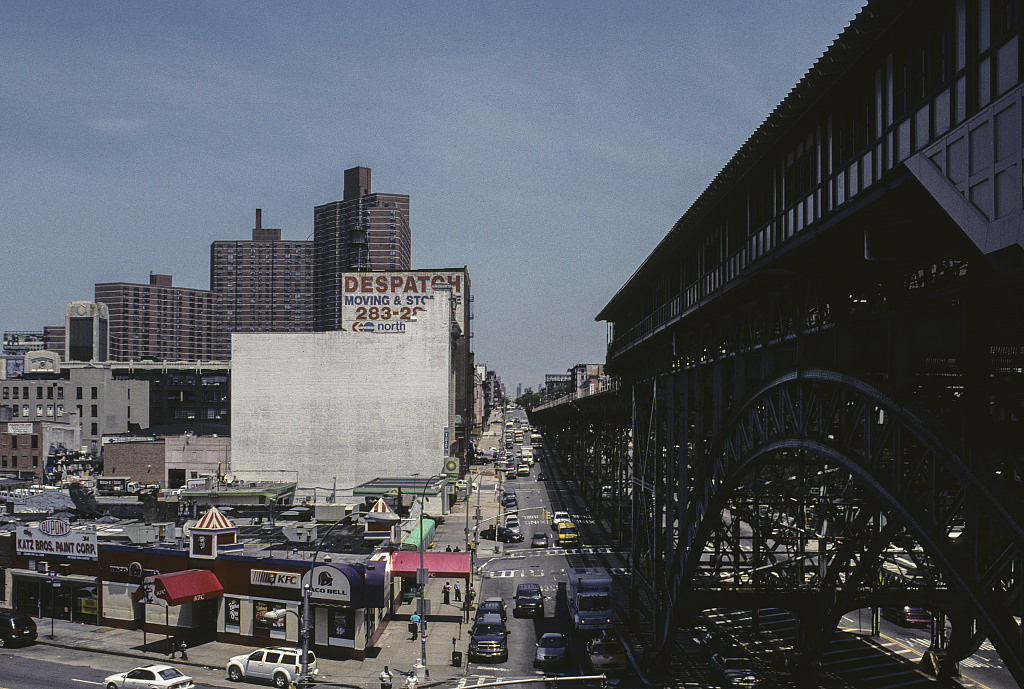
452 565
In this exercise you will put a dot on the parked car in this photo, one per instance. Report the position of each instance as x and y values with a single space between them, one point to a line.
16 628
512 522
539 540
529 601
607 656
279 665
734 671
150 677
552 649
502 534
492 606
908 615
488 639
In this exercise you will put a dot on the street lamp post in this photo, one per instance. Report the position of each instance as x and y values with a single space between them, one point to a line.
275 615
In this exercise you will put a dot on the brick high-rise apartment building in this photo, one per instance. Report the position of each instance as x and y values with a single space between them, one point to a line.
158 322
262 285
364 231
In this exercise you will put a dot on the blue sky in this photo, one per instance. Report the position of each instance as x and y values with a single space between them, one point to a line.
548 146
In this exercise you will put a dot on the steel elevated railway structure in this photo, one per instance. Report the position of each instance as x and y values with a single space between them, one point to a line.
820 368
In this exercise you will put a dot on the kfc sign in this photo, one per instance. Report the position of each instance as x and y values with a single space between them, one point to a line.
265 577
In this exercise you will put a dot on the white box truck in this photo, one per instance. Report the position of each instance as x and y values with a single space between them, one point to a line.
590 599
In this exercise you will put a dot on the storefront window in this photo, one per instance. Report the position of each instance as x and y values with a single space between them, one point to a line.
341 624
232 615
261 626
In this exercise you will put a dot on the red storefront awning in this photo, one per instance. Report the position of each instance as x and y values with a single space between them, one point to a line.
188 586
453 565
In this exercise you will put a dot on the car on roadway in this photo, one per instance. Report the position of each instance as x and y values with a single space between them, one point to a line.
542 476
492 606
16 628
552 649
560 516
607 656
502 534
150 677
908 615
539 540
512 522
280 665
529 601
488 639
735 671
511 475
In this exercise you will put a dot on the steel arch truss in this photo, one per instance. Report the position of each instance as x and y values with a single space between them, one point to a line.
821 495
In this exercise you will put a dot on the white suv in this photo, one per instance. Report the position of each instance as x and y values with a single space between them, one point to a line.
280 665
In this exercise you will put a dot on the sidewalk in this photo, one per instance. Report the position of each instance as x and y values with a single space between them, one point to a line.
395 648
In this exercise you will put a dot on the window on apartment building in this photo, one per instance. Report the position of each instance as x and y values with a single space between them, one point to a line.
14 442
3 461
60 410
7 393
39 392
39 410
60 393
14 462
95 393
14 411
24 392
34 442
79 408
95 429
49 393
35 461
78 393
94 411
49 410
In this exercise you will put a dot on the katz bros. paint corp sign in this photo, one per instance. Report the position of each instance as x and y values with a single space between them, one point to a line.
384 302
56 538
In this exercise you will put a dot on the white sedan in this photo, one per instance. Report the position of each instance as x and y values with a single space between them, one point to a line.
155 676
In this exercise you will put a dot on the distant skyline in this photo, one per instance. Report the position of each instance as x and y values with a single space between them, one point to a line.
547 146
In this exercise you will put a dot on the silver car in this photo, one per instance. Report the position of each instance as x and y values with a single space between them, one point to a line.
551 649
150 677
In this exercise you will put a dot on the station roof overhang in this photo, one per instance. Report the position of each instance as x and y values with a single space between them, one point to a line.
408 485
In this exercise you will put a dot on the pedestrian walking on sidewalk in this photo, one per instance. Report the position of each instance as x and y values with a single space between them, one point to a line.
385 678
412 681
447 591
414 626
458 593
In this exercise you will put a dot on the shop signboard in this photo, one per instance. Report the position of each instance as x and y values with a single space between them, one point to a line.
334 584
56 538
266 577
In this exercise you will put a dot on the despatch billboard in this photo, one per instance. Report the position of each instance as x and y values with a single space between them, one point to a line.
389 302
